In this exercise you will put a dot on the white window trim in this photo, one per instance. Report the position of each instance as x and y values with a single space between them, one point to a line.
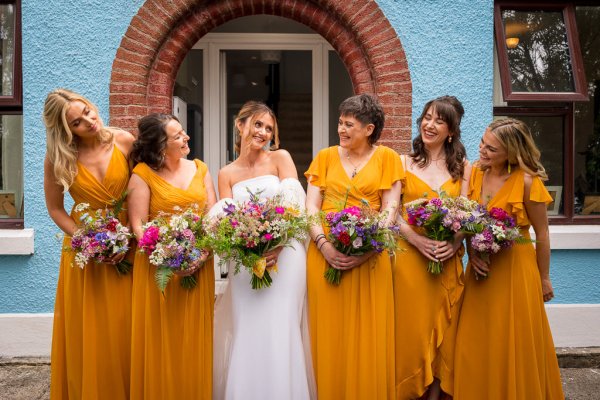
16 241
574 237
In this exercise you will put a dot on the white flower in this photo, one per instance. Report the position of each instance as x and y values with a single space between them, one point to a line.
81 206
357 243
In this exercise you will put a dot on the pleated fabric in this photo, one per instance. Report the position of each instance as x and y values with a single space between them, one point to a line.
92 314
352 325
427 307
504 347
172 334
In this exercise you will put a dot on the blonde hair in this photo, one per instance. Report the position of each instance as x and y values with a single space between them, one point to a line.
250 110
516 137
61 144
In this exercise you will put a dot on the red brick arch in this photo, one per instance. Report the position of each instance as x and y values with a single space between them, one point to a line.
163 31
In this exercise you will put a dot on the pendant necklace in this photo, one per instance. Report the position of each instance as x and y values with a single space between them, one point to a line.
354 166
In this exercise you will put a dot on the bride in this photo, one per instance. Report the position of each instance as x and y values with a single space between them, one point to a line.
261 341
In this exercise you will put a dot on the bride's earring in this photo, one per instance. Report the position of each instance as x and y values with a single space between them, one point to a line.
267 146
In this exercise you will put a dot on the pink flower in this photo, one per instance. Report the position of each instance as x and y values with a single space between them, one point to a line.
279 210
149 239
268 236
354 210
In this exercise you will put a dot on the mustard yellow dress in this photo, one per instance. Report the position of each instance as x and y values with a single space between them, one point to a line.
172 334
426 307
352 325
92 313
504 348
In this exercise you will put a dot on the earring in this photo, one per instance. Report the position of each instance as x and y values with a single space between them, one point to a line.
449 139
508 167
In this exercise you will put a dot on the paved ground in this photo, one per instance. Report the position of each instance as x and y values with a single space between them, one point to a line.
29 378
576 331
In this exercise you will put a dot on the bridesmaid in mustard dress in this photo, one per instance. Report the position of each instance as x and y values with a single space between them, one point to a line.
172 334
352 325
92 314
504 348
427 305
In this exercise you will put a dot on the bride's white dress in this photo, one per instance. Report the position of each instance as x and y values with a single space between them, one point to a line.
266 352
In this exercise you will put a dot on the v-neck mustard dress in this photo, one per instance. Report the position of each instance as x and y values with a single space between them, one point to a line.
504 348
426 307
352 325
172 334
92 314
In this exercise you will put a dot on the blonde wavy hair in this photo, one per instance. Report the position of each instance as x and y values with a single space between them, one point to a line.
251 110
518 141
61 143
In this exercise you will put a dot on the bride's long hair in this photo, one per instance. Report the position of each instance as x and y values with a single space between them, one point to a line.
249 111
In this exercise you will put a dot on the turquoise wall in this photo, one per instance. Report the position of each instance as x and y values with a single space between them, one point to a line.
73 43
66 43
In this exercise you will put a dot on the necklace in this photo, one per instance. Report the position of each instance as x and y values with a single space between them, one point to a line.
354 166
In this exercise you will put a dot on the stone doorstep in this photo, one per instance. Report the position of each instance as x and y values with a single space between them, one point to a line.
578 357
568 357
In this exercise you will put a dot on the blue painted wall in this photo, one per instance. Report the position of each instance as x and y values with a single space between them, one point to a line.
72 44
66 43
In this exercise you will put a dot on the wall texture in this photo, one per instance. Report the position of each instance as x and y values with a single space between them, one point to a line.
66 43
72 44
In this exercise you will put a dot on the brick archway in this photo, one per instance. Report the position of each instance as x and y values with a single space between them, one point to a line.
163 31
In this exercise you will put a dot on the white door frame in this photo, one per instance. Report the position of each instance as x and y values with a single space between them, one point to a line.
214 118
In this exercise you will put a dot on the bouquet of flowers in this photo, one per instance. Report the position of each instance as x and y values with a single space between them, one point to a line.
442 217
498 232
173 242
356 231
101 236
245 231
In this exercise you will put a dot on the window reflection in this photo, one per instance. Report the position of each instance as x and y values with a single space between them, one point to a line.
587 116
538 51
7 48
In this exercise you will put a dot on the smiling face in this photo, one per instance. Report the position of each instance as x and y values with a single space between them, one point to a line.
434 130
256 131
353 133
177 141
491 151
83 120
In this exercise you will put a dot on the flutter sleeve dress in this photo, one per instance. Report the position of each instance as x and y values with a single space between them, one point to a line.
352 325
92 314
504 347
172 334
427 307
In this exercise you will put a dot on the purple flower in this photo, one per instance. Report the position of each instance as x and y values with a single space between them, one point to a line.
229 209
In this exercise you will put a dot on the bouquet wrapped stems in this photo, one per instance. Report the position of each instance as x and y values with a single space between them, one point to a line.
123 267
333 275
261 278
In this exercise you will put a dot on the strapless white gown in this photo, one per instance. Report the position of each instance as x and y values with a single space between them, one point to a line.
265 355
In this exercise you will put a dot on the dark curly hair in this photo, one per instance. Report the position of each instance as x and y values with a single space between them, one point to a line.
151 142
451 111
367 110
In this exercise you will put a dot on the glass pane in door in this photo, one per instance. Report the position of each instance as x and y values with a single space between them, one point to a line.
189 101
340 88
283 80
